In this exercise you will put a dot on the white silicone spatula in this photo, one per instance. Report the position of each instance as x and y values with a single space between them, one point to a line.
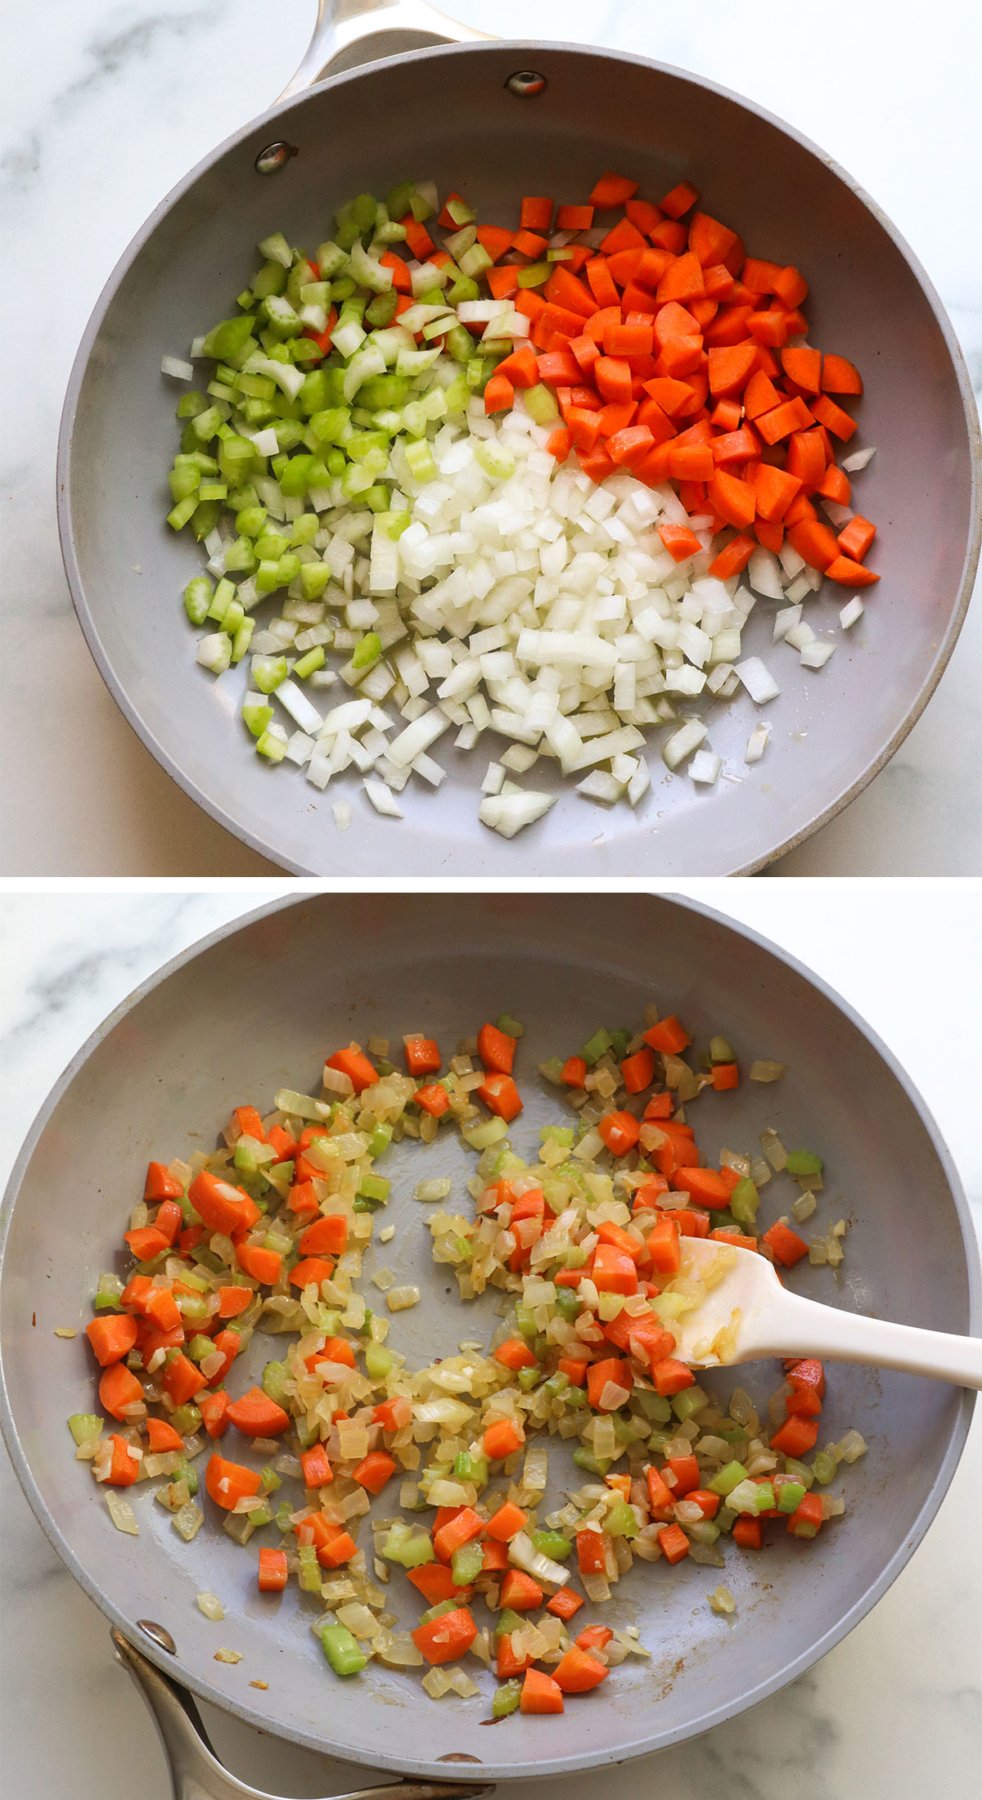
767 1320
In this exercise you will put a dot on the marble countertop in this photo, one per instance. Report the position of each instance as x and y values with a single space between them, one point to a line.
108 102
894 1712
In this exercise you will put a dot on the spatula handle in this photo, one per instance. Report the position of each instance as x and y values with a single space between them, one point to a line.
350 32
803 1327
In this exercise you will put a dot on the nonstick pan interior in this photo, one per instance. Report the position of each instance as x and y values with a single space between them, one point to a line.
447 113
258 1006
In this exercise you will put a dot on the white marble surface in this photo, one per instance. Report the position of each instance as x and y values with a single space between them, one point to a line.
894 1713
109 101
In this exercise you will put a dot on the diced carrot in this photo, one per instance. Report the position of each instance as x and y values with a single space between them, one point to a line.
564 1603
663 1247
668 1037
435 1582
540 1693
433 1098
393 1414
120 1391
272 1572
774 490
815 542
515 1354
422 1055
705 1186
124 1467
536 213
163 1437
520 1592
574 1071
594 1637
111 1337
220 1206
228 1482
257 1415
748 1533
622 236
506 1522
496 1049
446 1638
638 1071
160 1184
339 1548
578 1671
214 1412
316 1467
795 1437
612 190
804 367
502 1438
670 1376
620 1132
840 376
679 200
181 1379
856 537
501 1096
263 1265
726 1076
681 543
374 1470
614 1271
327 1234
355 1064
733 557
850 574
686 1472
673 1543
787 1247
834 418
610 1371
311 1269
146 1242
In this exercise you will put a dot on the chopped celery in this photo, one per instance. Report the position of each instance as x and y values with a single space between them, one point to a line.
466 1564
506 1700
341 1649
84 1426
553 1544
804 1162
596 1047
728 1478
790 1495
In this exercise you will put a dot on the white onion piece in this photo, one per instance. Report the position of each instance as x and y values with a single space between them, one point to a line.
705 767
177 367
815 656
858 460
757 742
757 679
851 612
383 799
510 813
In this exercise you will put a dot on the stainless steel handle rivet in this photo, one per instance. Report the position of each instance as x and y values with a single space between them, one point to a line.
275 157
525 83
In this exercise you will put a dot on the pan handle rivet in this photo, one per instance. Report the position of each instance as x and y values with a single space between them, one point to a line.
159 1634
274 158
525 83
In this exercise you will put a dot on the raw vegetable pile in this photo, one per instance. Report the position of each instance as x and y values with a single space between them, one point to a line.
512 484
269 1234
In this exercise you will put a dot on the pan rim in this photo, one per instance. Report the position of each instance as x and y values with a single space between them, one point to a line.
490 1771
86 619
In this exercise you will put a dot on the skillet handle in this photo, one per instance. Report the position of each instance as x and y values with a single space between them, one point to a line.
350 32
197 1774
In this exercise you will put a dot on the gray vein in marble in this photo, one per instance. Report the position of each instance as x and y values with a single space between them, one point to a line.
110 55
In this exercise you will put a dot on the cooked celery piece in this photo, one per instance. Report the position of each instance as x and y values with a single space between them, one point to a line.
596 1047
407 1547
729 1477
341 1649
466 1564
507 1698
790 1495
554 1544
804 1162
107 1293
85 1426
744 1202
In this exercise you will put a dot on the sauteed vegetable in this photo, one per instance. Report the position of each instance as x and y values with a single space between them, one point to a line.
364 1473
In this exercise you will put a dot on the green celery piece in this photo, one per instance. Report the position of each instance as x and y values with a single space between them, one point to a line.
466 1564
765 1496
622 1520
529 1378
596 1047
274 1379
568 1303
379 1361
507 1622
309 1573
506 1700
341 1650
314 659
186 1418
380 1140
226 339
744 1202
84 1426
585 1459
825 1467
728 1478
790 1495
408 1547
554 1544
721 1050
804 1162
367 652
107 1293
